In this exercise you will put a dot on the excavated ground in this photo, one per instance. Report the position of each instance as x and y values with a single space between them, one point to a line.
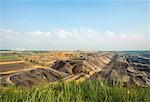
115 68
126 70
68 70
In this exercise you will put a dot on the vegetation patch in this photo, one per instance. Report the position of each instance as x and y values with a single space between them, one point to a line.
88 91
8 58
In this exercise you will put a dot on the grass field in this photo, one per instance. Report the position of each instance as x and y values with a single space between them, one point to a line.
8 58
89 91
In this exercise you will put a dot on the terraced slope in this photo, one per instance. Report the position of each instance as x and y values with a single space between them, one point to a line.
114 67
126 70
68 70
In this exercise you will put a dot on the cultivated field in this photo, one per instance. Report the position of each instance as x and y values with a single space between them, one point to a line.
7 58
14 66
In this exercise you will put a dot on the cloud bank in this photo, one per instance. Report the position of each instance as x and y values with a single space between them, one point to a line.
82 39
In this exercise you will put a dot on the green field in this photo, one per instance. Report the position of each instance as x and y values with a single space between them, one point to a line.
8 58
89 91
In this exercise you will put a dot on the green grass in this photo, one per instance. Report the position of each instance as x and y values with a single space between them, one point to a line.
89 91
8 58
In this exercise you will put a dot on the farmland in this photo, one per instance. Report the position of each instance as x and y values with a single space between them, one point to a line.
8 67
4 58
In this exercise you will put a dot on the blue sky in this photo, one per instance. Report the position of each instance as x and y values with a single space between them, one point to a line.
75 24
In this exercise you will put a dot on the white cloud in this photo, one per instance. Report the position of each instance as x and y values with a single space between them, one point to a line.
39 34
7 31
8 34
114 36
72 39
64 34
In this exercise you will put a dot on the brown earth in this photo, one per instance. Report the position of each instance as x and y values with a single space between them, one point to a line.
13 66
114 68
35 76
121 70
73 68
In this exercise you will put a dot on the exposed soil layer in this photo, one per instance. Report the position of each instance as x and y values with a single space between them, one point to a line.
82 65
14 66
126 70
61 69
35 76
116 68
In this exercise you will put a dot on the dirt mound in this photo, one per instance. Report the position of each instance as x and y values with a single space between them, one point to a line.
35 76
86 64
115 68
124 70
47 57
61 69
68 66
82 65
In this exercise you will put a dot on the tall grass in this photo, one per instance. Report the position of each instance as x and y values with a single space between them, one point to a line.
89 91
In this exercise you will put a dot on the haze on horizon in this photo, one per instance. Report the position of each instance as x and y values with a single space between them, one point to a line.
75 25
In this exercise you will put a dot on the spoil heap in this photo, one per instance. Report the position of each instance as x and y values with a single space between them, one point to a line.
36 76
82 65
61 69
125 70
115 68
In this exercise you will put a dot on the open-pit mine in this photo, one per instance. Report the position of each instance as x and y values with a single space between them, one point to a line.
32 68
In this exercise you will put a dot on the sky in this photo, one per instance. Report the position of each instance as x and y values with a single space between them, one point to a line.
75 24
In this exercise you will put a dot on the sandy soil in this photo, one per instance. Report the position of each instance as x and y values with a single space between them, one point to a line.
11 62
